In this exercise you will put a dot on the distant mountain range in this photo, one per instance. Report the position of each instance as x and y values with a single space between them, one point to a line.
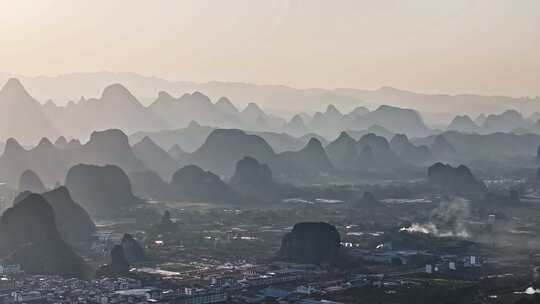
21 116
119 109
280 99
51 162
145 168
507 121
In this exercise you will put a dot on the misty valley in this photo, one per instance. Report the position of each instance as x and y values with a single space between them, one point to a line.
189 200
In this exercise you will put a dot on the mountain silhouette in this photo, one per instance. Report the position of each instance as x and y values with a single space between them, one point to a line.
463 123
189 138
253 178
104 191
373 129
46 160
295 126
385 158
178 113
226 106
21 116
310 160
72 221
441 149
133 251
51 163
310 243
254 118
343 152
155 158
29 236
72 86
117 108
454 179
30 181
149 185
409 152
61 143
398 120
177 153
118 266
225 147
109 147
193 183
192 137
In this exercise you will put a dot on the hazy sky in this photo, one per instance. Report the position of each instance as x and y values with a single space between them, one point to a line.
457 46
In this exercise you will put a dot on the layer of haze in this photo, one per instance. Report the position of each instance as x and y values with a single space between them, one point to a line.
458 46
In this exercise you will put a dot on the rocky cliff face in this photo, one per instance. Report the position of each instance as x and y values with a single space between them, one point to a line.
310 243
118 266
385 158
252 177
224 147
109 147
51 163
191 182
343 152
72 221
104 191
454 179
29 237
132 249
308 161
401 145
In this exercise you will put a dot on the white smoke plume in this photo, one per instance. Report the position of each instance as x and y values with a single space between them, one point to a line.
454 213
430 228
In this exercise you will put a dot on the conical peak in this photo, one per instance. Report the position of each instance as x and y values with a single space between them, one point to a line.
13 84
74 144
400 138
61 141
224 100
13 147
313 143
331 109
198 94
147 141
226 105
200 97
164 95
116 92
344 136
253 107
44 143
14 89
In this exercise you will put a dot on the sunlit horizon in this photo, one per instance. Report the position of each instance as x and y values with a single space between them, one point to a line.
458 47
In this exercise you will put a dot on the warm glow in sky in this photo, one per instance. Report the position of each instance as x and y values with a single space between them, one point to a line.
457 46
